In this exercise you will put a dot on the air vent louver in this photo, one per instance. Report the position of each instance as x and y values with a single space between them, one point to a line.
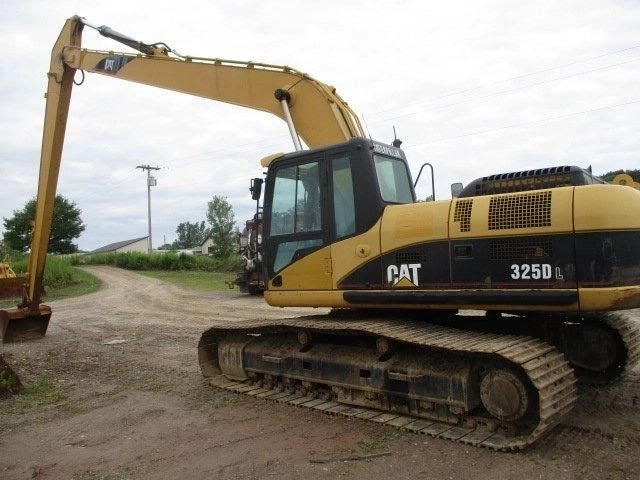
462 214
527 210
528 180
520 248
410 257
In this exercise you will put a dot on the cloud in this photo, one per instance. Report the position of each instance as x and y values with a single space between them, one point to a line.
380 55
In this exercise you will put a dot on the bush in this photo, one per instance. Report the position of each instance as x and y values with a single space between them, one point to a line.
160 261
58 271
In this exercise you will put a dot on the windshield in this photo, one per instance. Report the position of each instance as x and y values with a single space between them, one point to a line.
393 179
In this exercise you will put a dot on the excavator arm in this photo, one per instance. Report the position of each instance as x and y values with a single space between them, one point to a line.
312 110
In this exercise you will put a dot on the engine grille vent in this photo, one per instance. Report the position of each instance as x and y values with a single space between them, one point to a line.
527 210
520 248
462 214
540 179
411 257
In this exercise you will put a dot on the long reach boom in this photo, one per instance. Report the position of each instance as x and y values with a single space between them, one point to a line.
312 110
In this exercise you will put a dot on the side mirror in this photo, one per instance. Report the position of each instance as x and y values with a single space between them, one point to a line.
456 189
256 188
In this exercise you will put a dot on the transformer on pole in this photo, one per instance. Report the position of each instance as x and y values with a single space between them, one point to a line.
151 182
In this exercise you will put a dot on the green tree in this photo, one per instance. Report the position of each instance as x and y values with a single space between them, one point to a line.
65 227
190 234
222 222
3 250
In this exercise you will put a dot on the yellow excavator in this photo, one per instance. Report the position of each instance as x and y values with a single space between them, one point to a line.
6 271
470 319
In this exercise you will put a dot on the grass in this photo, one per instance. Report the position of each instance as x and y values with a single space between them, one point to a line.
204 281
61 280
227 400
58 271
82 284
7 382
41 392
121 472
372 444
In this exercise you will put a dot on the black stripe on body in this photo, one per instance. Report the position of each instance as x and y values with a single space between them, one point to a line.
597 259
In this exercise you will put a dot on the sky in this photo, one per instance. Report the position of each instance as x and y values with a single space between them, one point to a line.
475 88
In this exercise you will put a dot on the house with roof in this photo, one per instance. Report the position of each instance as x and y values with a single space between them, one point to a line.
140 244
205 246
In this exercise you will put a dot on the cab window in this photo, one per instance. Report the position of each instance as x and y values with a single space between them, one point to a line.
296 200
344 212
296 219
393 179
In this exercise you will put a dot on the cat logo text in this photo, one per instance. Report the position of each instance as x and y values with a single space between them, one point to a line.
403 275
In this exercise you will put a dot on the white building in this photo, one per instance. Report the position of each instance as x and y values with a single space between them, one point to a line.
134 245
205 246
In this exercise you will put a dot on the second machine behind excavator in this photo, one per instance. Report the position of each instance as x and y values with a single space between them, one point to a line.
548 254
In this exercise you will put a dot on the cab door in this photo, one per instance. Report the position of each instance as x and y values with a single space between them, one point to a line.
354 225
297 253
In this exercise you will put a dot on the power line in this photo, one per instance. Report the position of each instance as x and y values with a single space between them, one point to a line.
484 85
514 125
502 92
117 183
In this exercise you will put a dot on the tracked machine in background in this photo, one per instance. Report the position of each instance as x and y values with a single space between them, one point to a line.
544 257
251 278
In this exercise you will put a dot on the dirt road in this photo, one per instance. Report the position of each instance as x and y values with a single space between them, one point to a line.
139 408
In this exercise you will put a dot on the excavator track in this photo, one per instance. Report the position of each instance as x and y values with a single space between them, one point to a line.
629 331
614 338
546 371
611 341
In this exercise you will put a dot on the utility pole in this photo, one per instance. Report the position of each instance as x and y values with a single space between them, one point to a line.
151 182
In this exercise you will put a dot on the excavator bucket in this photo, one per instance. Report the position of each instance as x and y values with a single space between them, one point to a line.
19 324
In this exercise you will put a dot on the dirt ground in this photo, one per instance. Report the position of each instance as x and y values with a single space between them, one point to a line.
140 409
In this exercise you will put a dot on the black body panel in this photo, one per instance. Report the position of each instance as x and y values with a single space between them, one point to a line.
433 259
608 259
487 263
476 263
552 266
367 276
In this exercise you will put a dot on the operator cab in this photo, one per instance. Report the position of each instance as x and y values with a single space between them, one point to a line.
316 197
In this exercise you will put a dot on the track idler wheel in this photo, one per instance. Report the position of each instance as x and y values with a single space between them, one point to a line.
504 395
304 338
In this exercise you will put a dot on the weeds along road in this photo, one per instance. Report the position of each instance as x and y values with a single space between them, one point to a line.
140 409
